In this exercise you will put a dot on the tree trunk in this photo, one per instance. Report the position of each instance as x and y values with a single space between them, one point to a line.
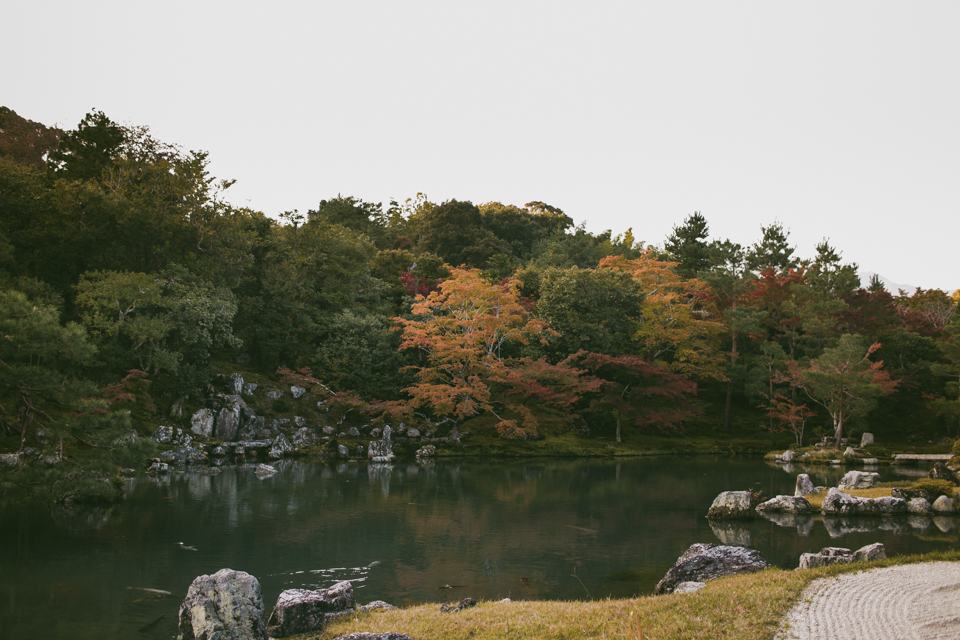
618 428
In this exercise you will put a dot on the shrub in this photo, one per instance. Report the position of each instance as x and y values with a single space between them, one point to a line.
280 406
956 448
934 488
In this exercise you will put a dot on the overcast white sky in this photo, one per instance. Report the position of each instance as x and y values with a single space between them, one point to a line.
839 119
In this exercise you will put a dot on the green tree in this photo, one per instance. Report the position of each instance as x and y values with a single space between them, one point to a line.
83 154
455 231
773 251
687 246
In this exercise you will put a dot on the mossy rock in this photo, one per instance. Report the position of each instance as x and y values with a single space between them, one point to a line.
933 488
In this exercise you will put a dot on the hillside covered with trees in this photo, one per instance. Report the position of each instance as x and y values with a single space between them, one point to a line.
128 282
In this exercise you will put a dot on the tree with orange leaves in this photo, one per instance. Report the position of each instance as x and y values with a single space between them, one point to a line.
462 330
677 326
843 380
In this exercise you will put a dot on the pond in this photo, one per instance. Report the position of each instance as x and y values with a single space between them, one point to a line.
532 529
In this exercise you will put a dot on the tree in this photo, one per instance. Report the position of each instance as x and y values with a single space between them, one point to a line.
84 153
455 231
786 415
687 246
843 381
772 252
644 393
948 405
24 141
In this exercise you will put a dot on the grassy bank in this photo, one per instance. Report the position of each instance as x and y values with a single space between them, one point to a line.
746 606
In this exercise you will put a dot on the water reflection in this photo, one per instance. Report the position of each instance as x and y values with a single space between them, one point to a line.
484 529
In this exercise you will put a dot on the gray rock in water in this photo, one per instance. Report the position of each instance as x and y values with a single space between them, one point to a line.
870 552
865 439
786 504
225 606
839 503
201 423
426 452
297 392
887 504
804 486
184 455
304 437
158 467
281 447
942 505
163 435
787 456
940 471
826 557
265 469
732 504
301 611
249 388
702 562
853 480
236 384
919 506
689 587
343 450
228 424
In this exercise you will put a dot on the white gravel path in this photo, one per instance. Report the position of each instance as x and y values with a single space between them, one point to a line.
910 602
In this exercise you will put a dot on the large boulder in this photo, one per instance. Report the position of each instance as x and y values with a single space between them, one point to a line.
854 480
702 562
804 486
163 435
919 506
786 504
236 384
303 611
225 606
281 447
297 392
941 472
865 439
826 557
304 437
732 504
201 423
943 504
228 424
839 503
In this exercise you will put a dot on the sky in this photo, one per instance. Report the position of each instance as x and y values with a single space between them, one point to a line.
840 120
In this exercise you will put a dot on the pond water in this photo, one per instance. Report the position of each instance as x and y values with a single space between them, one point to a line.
533 529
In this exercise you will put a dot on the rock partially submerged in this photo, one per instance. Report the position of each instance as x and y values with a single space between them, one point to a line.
804 486
303 611
732 504
786 504
839 503
225 606
703 562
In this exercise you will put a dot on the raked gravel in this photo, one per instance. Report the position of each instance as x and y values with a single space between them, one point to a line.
910 602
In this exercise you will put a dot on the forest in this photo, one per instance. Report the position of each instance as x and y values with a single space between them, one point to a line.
128 282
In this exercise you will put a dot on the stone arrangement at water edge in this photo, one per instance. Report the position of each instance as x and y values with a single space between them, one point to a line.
838 555
733 504
702 562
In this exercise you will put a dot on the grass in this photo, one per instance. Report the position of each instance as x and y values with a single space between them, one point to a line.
745 606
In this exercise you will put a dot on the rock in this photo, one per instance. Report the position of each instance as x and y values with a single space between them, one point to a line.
343 450
158 467
466 603
836 462
942 505
255 427
377 604
184 455
265 469
297 392
163 435
919 506
827 556
228 424
224 606
910 494
689 587
891 505
849 453
865 439
366 635
426 452
201 423
249 388
941 472
243 359
870 552
839 503
40 436
281 447
8 459
302 611
787 456
870 461
804 486
236 384
274 395
299 421
732 504
329 431
304 437
413 433
382 450
858 480
702 562
786 504
353 432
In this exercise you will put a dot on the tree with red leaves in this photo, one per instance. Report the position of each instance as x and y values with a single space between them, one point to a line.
646 394
786 415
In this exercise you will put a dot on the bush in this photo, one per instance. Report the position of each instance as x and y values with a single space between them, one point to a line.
281 406
935 488
956 448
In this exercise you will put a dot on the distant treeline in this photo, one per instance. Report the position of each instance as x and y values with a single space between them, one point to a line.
120 253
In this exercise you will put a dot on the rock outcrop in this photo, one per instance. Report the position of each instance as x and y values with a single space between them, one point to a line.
854 480
786 504
804 486
702 562
303 611
839 503
732 504
940 471
838 555
201 423
225 606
